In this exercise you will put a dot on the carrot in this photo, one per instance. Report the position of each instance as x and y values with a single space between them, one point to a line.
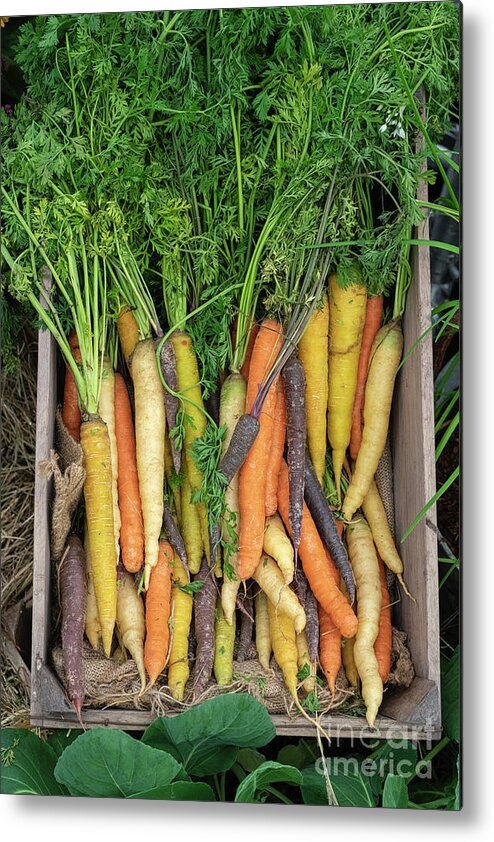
204 619
317 565
190 525
348 660
346 322
384 639
378 522
98 499
131 623
150 447
106 409
312 624
329 527
252 480
276 451
305 664
92 625
128 332
284 642
246 607
373 318
129 498
329 648
293 378
168 365
270 578
173 535
73 592
71 413
278 545
385 358
189 383
366 569
224 639
181 612
173 479
313 354
158 603
232 406
262 632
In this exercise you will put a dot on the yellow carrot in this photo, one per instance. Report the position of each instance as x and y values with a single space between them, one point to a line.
224 639
346 324
189 383
270 578
277 544
375 515
190 525
182 604
98 499
365 566
385 358
106 410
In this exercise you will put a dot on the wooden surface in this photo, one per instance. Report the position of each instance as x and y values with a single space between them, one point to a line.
413 446
45 430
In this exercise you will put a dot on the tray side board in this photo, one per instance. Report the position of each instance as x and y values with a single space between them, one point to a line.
413 445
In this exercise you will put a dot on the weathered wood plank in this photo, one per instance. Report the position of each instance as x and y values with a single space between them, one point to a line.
45 427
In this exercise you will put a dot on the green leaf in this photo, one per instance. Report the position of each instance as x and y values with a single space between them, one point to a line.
395 792
59 740
391 758
450 695
350 787
206 738
112 764
249 759
296 754
180 791
28 764
255 786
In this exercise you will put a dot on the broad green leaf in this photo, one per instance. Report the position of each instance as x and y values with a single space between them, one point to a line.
249 759
450 695
350 786
295 754
28 764
395 792
112 764
59 740
255 786
206 738
180 791
391 758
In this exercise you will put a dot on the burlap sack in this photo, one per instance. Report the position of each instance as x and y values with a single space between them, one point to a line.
65 465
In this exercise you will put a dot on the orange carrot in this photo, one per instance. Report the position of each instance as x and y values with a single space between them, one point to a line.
329 648
373 318
158 598
276 451
71 414
316 564
252 477
129 498
384 639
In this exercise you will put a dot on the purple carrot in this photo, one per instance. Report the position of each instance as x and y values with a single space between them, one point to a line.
293 377
204 616
73 596
173 535
312 625
169 371
246 606
326 526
